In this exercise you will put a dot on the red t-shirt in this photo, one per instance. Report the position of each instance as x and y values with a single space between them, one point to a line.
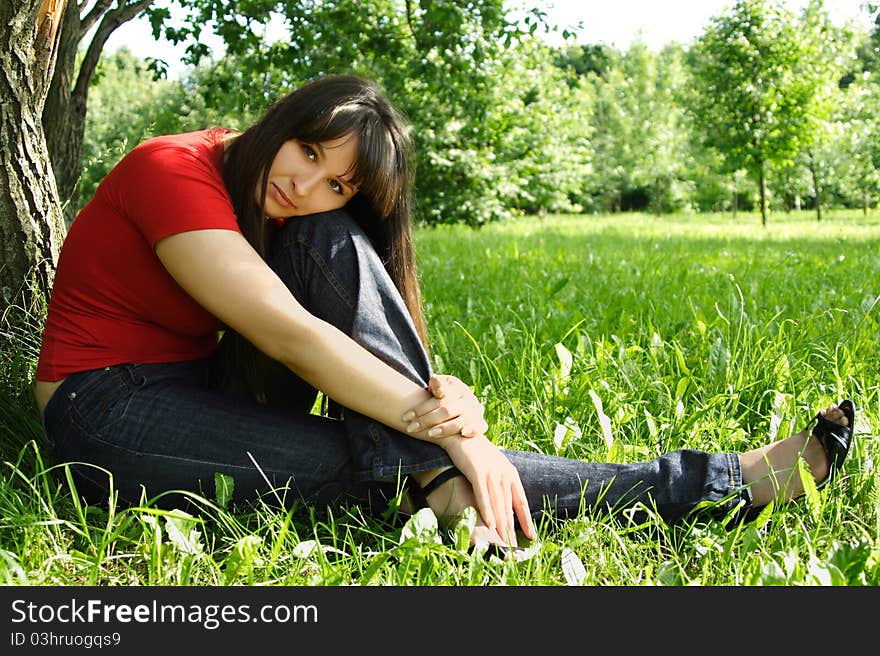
113 302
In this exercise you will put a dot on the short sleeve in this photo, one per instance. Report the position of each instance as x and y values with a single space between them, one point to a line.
165 188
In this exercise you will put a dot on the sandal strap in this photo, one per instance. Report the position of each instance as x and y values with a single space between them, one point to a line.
835 439
440 479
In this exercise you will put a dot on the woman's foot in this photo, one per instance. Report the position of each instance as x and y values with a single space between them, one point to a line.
771 472
449 500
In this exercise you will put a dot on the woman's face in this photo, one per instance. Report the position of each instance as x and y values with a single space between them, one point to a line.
310 178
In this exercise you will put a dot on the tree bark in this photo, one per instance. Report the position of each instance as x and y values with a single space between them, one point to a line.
31 223
61 115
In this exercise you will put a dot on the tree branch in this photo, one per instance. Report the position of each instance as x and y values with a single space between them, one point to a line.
112 20
92 17
412 29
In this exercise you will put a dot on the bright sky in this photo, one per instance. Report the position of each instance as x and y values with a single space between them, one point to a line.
613 22
618 22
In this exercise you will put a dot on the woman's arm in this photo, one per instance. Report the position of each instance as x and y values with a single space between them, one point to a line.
223 273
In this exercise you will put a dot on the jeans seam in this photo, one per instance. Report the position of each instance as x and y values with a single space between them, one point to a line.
730 478
227 465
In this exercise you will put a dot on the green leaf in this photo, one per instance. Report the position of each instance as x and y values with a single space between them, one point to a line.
558 286
772 574
565 361
751 539
572 568
670 574
719 357
181 529
681 387
243 557
464 527
11 571
679 357
811 492
422 528
223 487
604 420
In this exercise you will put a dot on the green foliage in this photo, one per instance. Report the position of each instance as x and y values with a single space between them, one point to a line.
640 137
506 125
858 153
127 105
766 84
751 102
485 101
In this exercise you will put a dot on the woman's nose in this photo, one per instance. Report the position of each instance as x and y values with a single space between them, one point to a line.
305 184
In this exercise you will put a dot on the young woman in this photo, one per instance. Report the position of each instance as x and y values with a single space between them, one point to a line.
292 240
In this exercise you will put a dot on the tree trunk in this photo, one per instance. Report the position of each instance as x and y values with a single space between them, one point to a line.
762 183
817 188
64 119
658 205
64 114
735 196
31 223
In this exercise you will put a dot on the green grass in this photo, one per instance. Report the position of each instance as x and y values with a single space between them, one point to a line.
607 338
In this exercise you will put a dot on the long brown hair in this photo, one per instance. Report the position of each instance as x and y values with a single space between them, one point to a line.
324 109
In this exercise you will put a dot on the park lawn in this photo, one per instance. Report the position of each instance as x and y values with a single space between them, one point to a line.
613 337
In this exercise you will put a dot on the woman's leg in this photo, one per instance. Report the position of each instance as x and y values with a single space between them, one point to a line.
671 485
159 427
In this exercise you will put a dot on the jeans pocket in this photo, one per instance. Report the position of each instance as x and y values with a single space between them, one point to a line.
101 400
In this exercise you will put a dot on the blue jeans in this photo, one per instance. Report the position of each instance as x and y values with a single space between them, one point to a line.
157 428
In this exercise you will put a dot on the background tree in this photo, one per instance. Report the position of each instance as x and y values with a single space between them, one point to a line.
639 137
826 55
753 105
441 61
860 142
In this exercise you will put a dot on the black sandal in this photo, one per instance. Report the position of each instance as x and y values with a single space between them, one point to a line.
835 439
440 479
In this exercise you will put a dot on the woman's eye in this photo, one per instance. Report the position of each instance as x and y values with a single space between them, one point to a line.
310 152
335 186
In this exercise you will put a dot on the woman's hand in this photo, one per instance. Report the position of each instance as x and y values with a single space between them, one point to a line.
496 484
454 410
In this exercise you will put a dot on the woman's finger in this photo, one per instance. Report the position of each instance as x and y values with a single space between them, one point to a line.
484 504
438 386
413 414
451 405
510 527
479 428
523 513
447 428
500 510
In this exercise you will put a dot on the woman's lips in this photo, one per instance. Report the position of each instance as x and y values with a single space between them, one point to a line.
280 197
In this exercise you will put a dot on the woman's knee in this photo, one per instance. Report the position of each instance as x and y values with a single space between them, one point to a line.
326 233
